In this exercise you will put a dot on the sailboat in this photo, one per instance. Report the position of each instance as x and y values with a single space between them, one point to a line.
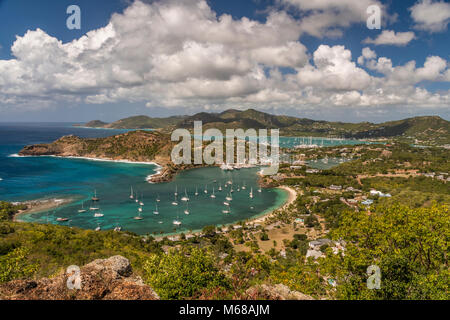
206 189
187 209
259 190
98 214
196 191
220 187
238 188
226 203
177 222
62 219
175 202
95 198
156 210
140 209
141 203
229 198
251 193
185 198
82 208
176 191
244 187
227 210
98 227
157 198
131 194
139 216
213 195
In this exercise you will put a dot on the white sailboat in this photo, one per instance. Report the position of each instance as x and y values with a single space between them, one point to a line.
220 187
139 215
187 209
95 198
244 187
196 191
176 191
156 212
206 189
175 202
98 215
177 222
259 190
229 198
157 198
98 227
185 198
141 203
213 196
131 194
251 193
226 203
82 210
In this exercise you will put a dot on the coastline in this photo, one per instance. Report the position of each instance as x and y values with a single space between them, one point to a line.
159 168
40 205
292 196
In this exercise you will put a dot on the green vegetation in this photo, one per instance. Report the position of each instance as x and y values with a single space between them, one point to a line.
426 130
179 275
410 246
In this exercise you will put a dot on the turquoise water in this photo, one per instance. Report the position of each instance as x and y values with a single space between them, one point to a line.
28 178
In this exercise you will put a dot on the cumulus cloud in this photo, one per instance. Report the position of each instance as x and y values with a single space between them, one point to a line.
431 16
389 37
181 54
321 18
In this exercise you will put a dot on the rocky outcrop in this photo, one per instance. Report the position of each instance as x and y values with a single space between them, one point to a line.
274 292
102 279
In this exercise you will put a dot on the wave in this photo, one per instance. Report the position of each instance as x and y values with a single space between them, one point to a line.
15 155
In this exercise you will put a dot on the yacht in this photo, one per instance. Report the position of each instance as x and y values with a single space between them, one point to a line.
98 215
82 210
185 198
131 194
213 196
251 193
62 219
95 198
175 202
156 210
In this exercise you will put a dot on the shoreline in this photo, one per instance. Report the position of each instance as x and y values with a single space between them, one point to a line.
40 205
292 196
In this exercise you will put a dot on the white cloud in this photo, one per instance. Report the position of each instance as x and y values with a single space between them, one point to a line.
321 18
181 54
389 37
431 16
367 54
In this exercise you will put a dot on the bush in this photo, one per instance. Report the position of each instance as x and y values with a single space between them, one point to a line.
179 275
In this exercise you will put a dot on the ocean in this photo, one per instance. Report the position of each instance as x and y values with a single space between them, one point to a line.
30 178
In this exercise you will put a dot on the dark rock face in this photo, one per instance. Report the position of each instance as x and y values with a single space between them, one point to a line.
102 279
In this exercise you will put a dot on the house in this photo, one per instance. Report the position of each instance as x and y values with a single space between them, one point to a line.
316 244
367 202
314 253
312 171
334 187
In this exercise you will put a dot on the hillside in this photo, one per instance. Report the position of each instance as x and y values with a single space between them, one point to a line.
137 122
132 146
430 130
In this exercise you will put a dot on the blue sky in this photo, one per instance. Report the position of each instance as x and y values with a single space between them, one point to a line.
162 79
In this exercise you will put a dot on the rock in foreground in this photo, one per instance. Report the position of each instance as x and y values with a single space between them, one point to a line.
102 279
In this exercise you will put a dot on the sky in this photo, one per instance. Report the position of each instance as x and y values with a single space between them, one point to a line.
308 58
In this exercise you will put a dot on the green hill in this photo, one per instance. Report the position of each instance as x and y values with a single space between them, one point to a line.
422 130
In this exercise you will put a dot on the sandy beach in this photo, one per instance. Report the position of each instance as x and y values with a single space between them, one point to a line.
291 198
35 206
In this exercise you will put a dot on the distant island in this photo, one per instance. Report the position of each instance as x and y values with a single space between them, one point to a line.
426 130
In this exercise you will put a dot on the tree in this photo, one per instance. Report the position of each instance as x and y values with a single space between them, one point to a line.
182 274
410 246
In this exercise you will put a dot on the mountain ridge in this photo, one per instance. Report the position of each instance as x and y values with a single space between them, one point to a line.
421 129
